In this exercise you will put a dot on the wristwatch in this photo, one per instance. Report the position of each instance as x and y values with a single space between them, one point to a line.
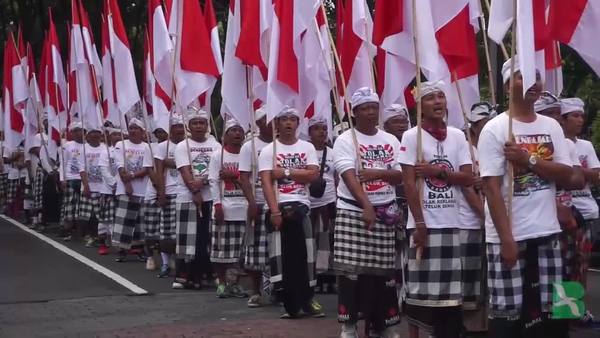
532 161
287 173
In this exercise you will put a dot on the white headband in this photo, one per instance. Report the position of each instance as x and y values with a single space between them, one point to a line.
232 123
571 105
136 122
288 111
362 96
428 87
546 101
394 110
316 121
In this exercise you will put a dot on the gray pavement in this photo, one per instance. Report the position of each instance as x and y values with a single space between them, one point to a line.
45 293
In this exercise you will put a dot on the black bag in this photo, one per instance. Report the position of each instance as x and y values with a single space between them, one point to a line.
317 187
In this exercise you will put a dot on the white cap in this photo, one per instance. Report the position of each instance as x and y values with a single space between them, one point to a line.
230 123
196 113
75 125
136 122
480 111
547 100
315 120
287 110
428 87
362 96
176 119
570 105
260 113
394 110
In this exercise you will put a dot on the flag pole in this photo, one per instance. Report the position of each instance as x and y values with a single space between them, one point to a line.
148 132
81 112
488 59
555 54
511 182
502 46
250 96
464 115
419 110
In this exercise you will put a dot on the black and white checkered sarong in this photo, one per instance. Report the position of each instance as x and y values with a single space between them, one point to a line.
127 221
471 251
190 231
506 285
256 255
89 206
436 280
11 190
227 241
151 219
38 186
106 215
168 225
3 187
71 199
357 250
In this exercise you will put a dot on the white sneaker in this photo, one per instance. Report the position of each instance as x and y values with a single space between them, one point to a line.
349 331
150 265
177 286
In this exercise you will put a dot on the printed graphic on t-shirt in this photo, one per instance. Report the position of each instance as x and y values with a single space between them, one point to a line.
526 181
230 189
200 162
93 170
377 156
74 166
134 160
583 160
440 194
291 161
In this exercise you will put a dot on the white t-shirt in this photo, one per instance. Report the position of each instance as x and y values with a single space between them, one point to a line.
200 153
379 151
171 174
563 196
108 169
440 205
467 218
137 157
534 199
234 202
73 152
246 165
329 195
150 189
93 157
583 199
296 156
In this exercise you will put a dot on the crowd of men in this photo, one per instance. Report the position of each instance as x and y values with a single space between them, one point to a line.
398 220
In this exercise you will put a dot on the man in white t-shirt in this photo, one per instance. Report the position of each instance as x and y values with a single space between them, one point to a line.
322 203
572 121
108 170
367 220
524 258
70 178
134 164
396 120
230 209
164 157
194 202
434 295
256 254
293 165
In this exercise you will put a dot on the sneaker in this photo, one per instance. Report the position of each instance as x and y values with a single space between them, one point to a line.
150 265
289 316
349 331
67 238
142 258
255 301
588 321
314 309
103 250
223 291
121 256
89 242
178 285
237 291
164 271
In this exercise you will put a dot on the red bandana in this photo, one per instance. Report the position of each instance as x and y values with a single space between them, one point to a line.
439 133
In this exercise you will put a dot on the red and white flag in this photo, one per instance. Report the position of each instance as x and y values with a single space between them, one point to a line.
454 18
15 93
213 31
125 85
554 75
34 105
109 96
290 21
91 52
357 51
577 23
196 69
532 34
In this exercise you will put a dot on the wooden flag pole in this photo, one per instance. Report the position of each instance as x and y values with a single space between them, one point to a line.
511 181
488 59
464 115
253 159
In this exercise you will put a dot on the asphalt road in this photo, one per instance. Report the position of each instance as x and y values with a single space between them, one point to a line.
47 293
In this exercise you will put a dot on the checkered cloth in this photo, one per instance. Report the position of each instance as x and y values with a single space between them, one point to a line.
227 241
11 190
106 214
151 219
3 186
471 251
188 220
89 206
436 279
71 199
275 246
256 253
38 186
506 285
356 250
127 221
168 225
322 220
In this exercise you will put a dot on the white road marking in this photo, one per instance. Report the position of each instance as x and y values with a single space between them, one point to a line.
108 273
